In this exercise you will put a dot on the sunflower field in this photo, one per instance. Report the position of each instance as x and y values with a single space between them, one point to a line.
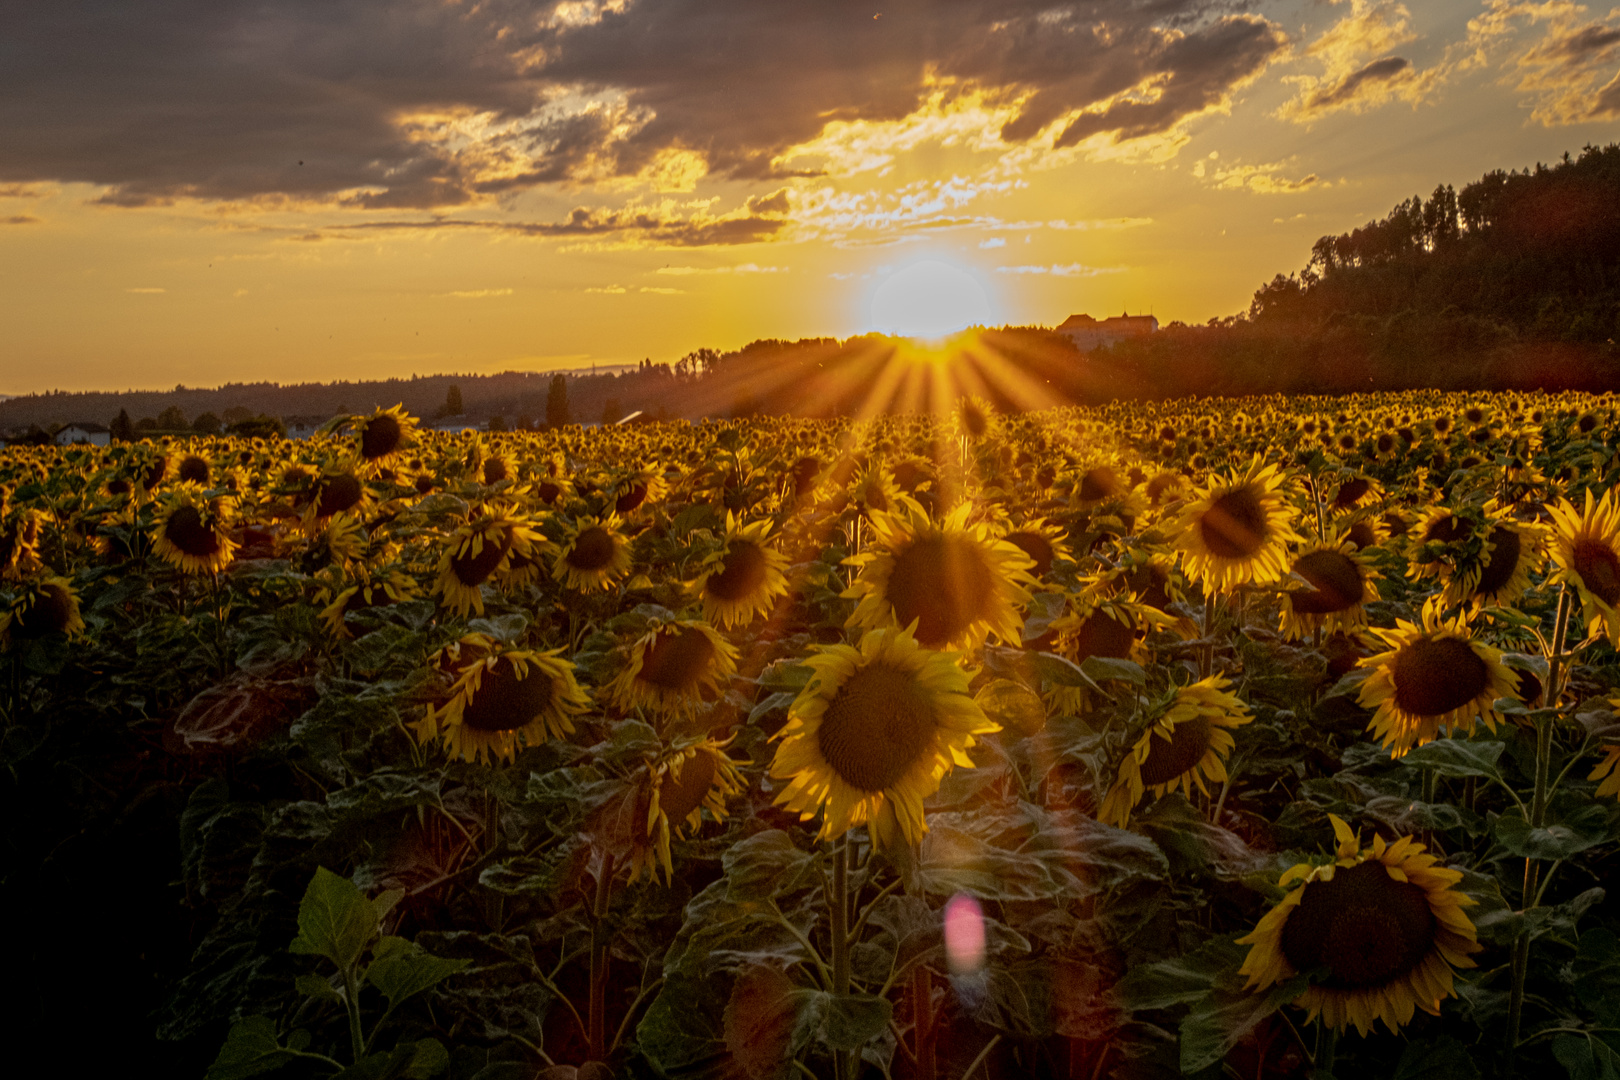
1262 737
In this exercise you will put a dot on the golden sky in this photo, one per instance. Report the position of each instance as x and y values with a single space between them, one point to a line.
206 191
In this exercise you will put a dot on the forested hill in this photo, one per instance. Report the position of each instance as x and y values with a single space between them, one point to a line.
1514 281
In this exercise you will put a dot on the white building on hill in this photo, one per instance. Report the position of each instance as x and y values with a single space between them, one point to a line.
1087 333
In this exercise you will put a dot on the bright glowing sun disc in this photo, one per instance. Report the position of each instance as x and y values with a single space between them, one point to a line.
929 299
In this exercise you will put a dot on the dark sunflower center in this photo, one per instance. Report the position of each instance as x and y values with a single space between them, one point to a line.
194 469
679 797
187 531
593 550
1099 483
804 473
1362 535
494 470
505 702
1365 927
942 582
876 727
1101 635
1170 758
677 660
154 474
338 493
874 497
50 613
118 487
633 497
974 420
1528 687
381 437
744 573
1036 547
1234 527
1434 676
1599 568
1335 583
424 485
1350 493
548 492
474 570
1448 530
1150 582
1505 548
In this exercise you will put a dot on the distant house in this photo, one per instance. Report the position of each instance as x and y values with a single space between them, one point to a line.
302 427
85 431
1087 333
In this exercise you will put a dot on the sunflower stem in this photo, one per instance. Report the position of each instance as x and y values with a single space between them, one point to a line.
599 960
1327 1046
838 914
922 1007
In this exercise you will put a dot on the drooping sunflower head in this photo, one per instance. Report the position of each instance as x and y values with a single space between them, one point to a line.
476 553
672 666
872 734
1237 530
1184 747
955 581
1383 922
391 586
1433 678
1586 549
338 491
637 491
19 544
43 607
591 554
744 578
193 533
1338 583
1499 575
385 434
1044 542
503 699
675 787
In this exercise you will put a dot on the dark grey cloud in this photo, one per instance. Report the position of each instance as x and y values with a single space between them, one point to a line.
1586 43
300 99
1357 83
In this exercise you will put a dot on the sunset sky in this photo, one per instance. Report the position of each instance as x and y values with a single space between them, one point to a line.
209 191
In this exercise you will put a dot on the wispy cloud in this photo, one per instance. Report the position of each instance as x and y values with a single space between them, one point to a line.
1262 179
146 290
744 268
1065 270
20 219
661 290
610 290
476 294
1360 71
993 242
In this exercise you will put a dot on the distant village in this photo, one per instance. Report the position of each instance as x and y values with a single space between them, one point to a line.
513 400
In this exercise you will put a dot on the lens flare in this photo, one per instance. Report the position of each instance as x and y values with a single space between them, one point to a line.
964 934
929 299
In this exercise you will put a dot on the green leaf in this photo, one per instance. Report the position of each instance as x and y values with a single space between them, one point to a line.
1597 975
1586 1057
763 865
1442 1058
251 1048
1056 669
401 970
1180 980
1458 758
1110 667
1221 1019
1573 825
335 920
428 1058
850 1021
317 987
1013 705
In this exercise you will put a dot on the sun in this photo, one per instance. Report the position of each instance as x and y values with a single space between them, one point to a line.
929 299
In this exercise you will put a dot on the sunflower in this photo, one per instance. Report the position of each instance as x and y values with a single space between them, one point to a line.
1605 770
1383 921
1044 542
672 665
1513 550
43 607
1237 530
592 554
1185 746
335 492
744 578
389 587
478 552
194 469
501 698
873 733
1432 677
956 582
193 533
676 787
384 435
1339 585
19 545
1429 542
874 491
1586 548
1356 492
640 489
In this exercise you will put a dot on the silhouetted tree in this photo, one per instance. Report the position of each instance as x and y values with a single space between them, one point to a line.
611 410
557 403
172 419
452 401
122 428
497 423
206 424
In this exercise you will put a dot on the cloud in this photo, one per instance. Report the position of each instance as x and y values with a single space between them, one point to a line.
1262 179
20 219
1565 74
1360 71
994 242
661 291
662 225
1070 270
146 290
744 268
22 191
611 290
476 294
386 105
